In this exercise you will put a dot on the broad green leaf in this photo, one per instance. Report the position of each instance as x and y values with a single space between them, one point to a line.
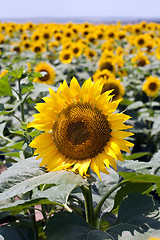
135 105
156 126
139 210
20 205
5 88
128 231
99 235
12 154
130 188
17 145
17 231
40 87
19 172
15 106
68 226
16 73
2 127
136 155
22 178
101 187
140 177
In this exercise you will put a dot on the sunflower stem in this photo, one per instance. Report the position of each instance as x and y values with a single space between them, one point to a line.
99 205
20 98
90 219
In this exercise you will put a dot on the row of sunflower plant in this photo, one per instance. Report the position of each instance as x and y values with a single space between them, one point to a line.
80 157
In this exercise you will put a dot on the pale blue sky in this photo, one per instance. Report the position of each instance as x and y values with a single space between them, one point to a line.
79 8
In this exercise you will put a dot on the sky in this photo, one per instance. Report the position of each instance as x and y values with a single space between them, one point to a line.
79 8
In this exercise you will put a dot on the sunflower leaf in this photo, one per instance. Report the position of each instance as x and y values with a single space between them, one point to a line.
74 227
5 88
141 211
20 231
140 177
26 176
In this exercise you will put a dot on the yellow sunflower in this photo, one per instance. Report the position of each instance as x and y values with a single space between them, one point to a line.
49 77
80 128
66 56
90 53
151 86
140 59
116 85
38 47
3 73
107 63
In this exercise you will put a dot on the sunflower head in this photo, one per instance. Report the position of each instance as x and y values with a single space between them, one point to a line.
66 56
151 86
80 128
116 85
49 76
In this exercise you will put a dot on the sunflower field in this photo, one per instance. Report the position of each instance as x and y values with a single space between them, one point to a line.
80 131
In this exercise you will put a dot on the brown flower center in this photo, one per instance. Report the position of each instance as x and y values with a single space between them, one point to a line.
66 56
109 86
81 131
141 63
106 65
152 86
45 77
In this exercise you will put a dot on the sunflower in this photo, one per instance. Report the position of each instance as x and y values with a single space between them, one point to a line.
27 44
38 47
80 129
104 75
77 49
106 63
116 85
140 60
16 47
36 36
49 77
151 86
66 56
90 53
3 73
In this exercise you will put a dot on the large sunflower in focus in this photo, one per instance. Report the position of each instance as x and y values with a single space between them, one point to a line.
49 76
80 128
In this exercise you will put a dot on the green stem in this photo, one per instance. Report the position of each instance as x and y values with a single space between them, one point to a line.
86 190
44 213
20 98
99 205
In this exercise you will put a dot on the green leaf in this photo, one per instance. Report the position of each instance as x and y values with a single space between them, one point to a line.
13 145
41 87
135 105
156 126
22 178
139 210
20 205
99 235
136 155
5 88
140 177
17 231
16 73
125 231
105 185
130 188
15 106
68 226
19 172
2 127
